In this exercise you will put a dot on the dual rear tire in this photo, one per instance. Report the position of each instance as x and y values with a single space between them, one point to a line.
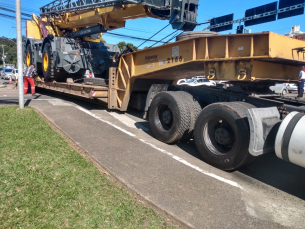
222 135
221 130
169 117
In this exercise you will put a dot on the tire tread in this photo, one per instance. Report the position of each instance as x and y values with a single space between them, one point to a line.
183 113
195 109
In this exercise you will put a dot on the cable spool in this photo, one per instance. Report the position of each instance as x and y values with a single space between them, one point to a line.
290 142
193 34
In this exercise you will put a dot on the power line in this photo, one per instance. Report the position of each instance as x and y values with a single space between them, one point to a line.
28 9
160 41
153 35
132 37
12 11
12 17
173 37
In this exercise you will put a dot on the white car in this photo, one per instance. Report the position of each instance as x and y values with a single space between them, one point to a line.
292 87
280 88
14 74
198 81
6 73
181 81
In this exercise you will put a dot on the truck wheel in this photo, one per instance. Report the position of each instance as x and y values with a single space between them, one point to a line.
48 69
222 135
169 117
195 109
28 56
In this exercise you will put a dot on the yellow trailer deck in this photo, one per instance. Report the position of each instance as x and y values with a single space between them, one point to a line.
236 57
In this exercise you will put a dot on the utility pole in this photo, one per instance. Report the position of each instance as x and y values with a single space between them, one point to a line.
3 55
19 53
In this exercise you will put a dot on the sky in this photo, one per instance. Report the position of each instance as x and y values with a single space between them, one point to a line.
144 28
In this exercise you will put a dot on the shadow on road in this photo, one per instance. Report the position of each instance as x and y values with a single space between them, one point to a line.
277 173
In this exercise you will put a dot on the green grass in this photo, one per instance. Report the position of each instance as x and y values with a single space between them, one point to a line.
44 183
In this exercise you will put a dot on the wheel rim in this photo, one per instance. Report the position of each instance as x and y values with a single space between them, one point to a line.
28 59
45 62
219 136
165 116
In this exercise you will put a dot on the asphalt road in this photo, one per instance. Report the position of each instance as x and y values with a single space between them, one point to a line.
269 193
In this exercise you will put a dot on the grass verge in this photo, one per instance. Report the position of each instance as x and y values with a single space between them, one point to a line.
46 184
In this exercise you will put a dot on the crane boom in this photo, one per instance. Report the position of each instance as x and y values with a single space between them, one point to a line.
63 17
67 6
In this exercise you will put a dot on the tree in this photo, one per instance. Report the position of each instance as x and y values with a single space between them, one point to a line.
134 48
121 45
10 48
130 45
11 57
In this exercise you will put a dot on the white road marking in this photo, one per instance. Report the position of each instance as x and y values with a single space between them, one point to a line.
127 121
232 183
43 99
97 117
60 103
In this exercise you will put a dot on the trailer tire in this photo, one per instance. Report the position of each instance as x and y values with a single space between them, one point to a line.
28 56
48 69
222 135
169 117
195 109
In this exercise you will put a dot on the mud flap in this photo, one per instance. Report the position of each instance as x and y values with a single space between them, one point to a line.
154 89
264 124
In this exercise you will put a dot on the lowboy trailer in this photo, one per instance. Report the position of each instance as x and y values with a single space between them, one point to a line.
230 125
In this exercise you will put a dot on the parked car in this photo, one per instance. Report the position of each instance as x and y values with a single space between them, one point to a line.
11 66
198 81
280 88
6 73
181 81
292 87
14 74
224 82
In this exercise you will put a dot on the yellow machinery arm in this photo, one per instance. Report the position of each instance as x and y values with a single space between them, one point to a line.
65 17
113 17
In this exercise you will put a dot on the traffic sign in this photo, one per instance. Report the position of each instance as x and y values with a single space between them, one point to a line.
267 14
290 8
223 23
